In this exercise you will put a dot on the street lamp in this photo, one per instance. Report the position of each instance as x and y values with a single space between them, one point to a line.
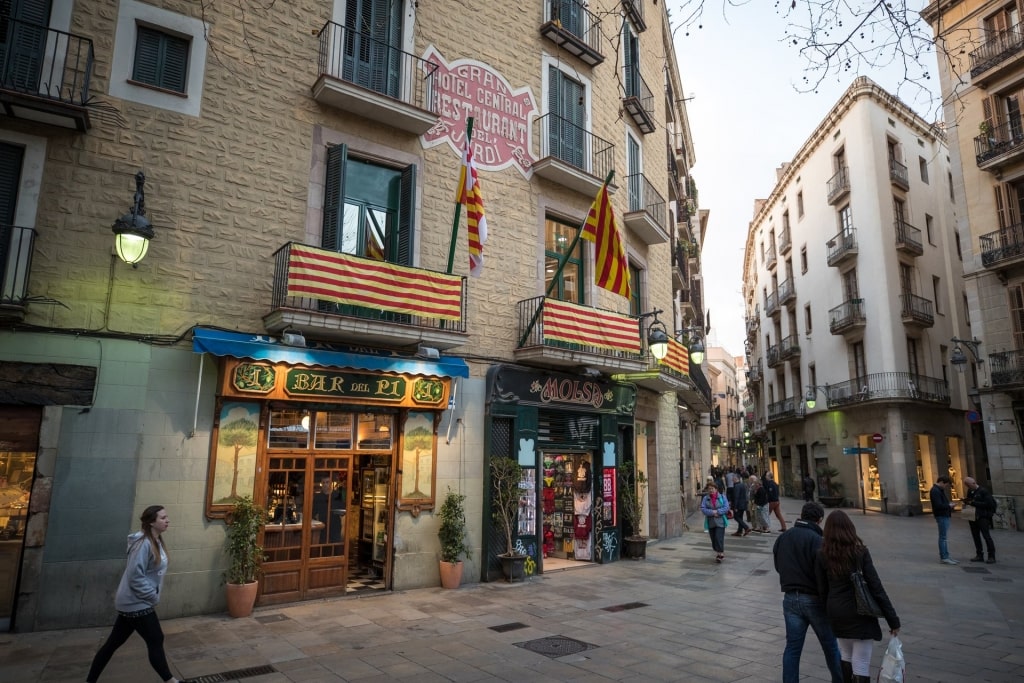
957 357
695 346
657 335
812 393
133 231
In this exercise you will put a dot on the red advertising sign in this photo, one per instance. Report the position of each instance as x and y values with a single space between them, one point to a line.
608 497
502 116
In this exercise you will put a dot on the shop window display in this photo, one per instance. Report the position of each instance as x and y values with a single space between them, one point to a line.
567 495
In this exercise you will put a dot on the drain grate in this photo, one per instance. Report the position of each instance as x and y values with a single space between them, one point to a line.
504 628
556 646
976 570
759 572
625 606
271 618
233 675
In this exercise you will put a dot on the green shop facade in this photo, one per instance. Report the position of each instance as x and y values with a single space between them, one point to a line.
573 437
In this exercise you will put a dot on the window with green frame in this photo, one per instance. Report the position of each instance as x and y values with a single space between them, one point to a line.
558 237
161 60
636 304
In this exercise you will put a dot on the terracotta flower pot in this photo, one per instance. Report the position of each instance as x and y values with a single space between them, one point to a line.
451 574
241 598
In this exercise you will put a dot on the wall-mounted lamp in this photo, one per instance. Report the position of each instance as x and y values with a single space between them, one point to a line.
957 357
133 231
694 345
657 335
305 420
812 393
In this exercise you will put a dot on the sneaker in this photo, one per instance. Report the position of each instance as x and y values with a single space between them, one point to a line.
949 560
990 560
977 558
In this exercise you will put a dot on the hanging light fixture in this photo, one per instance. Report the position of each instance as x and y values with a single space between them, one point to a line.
133 231
657 338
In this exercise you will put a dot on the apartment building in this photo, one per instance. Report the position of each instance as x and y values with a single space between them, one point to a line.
981 74
727 417
288 312
853 291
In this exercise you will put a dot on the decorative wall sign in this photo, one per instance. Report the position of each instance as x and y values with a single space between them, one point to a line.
253 378
418 460
232 472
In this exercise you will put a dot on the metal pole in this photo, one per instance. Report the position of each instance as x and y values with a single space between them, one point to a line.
458 204
860 480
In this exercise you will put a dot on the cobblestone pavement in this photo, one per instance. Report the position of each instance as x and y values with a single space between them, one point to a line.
676 616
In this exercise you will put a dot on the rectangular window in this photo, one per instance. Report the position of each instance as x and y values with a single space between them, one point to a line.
800 204
636 303
923 164
936 294
1016 306
928 224
161 60
566 134
558 237
803 259
808 327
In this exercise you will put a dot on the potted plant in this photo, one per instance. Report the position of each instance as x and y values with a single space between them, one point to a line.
244 555
830 491
506 474
632 497
452 534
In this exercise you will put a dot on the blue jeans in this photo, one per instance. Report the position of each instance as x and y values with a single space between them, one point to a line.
801 611
943 523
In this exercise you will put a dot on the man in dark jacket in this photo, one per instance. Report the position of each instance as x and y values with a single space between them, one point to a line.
739 505
942 510
795 552
985 505
774 506
809 487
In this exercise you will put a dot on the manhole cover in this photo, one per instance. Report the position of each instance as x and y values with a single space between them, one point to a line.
234 675
628 605
976 570
555 646
503 628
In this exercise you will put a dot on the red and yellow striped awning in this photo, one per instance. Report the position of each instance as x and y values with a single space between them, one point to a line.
569 322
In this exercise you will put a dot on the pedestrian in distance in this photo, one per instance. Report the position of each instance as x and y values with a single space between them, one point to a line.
761 504
137 594
715 507
809 486
739 507
774 507
842 552
985 506
730 487
942 510
796 555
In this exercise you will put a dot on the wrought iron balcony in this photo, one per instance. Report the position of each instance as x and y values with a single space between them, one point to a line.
770 257
1007 369
635 11
332 296
16 249
785 242
753 325
889 386
771 304
838 185
553 333
916 311
774 356
571 155
756 373
1000 145
647 211
574 28
998 52
45 75
789 347
847 317
908 239
842 247
638 100
681 266
786 409
1002 248
787 292
368 77
898 174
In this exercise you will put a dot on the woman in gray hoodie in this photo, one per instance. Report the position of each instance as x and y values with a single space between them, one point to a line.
137 595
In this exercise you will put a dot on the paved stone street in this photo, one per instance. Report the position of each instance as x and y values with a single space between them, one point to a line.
676 616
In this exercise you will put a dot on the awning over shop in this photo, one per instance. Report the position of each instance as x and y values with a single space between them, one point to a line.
265 347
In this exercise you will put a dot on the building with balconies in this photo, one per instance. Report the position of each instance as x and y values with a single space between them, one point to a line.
288 312
853 335
981 74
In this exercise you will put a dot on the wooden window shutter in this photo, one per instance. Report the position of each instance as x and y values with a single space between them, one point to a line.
334 197
175 66
1015 294
988 109
406 217
1000 207
147 57
10 177
1012 204
161 60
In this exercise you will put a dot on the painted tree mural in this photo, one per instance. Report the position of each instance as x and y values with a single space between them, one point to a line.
237 434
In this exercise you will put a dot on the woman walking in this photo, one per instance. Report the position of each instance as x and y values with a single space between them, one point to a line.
842 552
137 595
715 508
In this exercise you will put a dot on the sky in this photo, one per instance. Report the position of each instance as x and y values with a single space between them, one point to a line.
746 119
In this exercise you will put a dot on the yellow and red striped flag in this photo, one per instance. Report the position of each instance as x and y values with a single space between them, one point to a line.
611 270
470 195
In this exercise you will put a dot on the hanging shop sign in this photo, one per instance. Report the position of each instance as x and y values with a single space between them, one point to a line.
544 389
502 115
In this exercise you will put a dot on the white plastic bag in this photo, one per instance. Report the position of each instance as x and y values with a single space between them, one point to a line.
892 663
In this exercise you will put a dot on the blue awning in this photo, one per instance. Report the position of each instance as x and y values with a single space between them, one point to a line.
265 347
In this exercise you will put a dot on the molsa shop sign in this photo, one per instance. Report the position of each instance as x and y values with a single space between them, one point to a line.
502 116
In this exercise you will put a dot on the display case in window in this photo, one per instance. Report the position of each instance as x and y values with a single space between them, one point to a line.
373 534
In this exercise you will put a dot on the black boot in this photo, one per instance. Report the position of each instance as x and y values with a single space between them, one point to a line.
862 679
847 671
978 558
991 558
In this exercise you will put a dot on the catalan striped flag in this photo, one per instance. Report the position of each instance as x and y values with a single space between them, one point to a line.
470 195
611 270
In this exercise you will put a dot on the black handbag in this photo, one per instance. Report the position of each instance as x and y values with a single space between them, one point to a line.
867 606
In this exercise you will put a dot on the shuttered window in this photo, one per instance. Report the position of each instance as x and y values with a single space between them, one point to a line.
161 60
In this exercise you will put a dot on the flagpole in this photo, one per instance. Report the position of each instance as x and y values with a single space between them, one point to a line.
561 266
458 204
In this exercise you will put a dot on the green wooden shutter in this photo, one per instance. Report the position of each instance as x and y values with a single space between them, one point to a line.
334 197
175 67
406 217
24 43
161 60
10 178
147 57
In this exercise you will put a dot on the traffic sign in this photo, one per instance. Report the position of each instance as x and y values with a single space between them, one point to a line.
857 450
877 438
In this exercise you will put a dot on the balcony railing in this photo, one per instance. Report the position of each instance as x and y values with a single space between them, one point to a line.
908 238
898 174
647 211
1005 140
681 263
756 372
789 347
917 310
1003 246
638 100
1007 368
16 249
391 86
774 356
838 185
787 291
574 28
841 247
771 304
889 386
635 12
999 47
571 155
536 329
847 316
785 242
786 408
45 74
771 257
